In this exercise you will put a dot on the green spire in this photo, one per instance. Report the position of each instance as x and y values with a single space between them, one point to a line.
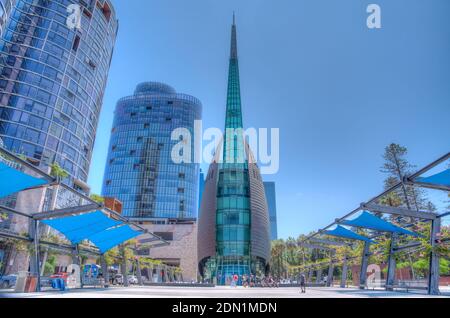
233 217
234 112
234 108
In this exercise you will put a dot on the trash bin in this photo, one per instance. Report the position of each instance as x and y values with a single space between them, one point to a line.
31 284
21 282
59 283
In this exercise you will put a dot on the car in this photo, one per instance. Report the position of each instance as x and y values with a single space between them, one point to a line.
132 279
7 282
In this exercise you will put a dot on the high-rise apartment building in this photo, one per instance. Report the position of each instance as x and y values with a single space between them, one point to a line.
140 170
156 191
52 80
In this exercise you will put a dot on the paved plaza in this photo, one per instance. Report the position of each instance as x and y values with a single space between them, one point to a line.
218 292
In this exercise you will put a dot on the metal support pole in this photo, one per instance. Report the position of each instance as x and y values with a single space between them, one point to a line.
433 277
344 272
76 255
124 267
330 275
138 272
104 270
392 264
35 268
46 229
364 265
331 270
77 261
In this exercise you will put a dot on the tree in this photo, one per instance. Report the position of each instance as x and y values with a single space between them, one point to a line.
277 261
58 172
397 167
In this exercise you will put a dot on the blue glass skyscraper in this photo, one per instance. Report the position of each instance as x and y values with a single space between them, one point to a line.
140 171
52 80
269 188
201 188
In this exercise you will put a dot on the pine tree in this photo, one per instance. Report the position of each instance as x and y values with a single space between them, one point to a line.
397 167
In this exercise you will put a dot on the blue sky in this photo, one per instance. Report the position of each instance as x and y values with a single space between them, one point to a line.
338 91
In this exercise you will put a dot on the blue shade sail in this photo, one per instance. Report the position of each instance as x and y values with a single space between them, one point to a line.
80 227
13 181
442 178
343 232
112 237
369 221
96 227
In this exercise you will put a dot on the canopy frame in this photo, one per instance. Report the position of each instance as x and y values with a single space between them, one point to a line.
35 218
373 206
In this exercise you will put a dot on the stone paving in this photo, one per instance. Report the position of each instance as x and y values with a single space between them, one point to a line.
217 292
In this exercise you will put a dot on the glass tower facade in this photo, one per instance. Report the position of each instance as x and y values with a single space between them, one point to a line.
52 80
233 190
201 188
140 171
269 188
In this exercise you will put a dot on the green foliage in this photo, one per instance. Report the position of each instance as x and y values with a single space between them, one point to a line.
58 172
444 267
111 256
97 198
421 266
50 265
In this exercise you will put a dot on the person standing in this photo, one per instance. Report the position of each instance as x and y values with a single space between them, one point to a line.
303 283
235 280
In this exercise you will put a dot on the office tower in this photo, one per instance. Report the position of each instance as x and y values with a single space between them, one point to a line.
201 188
269 188
53 78
233 235
140 171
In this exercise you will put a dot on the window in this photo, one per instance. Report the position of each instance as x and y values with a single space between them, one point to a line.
87 13
181 205
76 43
168 236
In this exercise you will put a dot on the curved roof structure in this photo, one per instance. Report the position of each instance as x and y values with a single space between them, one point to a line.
260 223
